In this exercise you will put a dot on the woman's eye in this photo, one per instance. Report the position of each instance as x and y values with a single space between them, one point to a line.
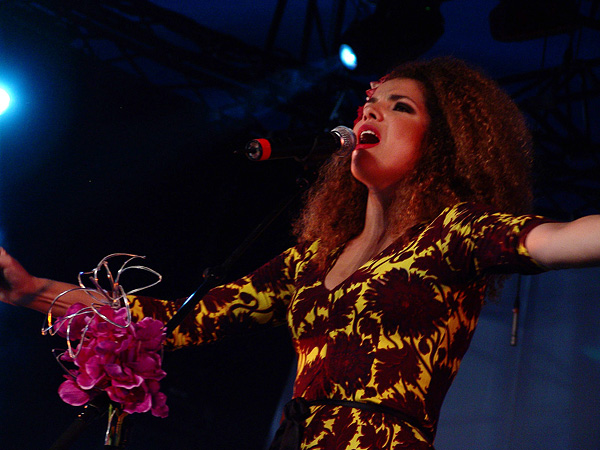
403 107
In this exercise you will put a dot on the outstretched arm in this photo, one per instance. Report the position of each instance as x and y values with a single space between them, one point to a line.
564 245
18 287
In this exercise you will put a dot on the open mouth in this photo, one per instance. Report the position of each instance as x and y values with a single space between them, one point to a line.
368 137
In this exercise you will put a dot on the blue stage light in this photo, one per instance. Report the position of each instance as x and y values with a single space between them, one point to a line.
395 32
4 100
348 57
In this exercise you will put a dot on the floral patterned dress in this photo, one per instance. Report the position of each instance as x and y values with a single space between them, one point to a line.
393 333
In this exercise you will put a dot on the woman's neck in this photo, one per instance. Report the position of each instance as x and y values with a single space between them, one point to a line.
371 241
376 233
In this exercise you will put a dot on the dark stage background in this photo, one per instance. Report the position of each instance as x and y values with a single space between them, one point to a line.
121 138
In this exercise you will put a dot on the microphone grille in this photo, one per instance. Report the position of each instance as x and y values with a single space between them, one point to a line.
347 139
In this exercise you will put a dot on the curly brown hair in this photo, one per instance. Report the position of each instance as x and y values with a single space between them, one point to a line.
477 148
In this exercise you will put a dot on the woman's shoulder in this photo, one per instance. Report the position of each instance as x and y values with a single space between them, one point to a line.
466 218
301 251
472 212
479 220
461 213
467 208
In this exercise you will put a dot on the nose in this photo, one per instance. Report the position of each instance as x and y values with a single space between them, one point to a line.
371 111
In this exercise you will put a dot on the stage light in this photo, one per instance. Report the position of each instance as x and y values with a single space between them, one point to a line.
397 31
347 56
4 101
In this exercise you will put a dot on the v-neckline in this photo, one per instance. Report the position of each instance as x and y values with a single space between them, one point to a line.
335 255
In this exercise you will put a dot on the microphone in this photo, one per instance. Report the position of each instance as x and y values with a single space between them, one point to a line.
340 140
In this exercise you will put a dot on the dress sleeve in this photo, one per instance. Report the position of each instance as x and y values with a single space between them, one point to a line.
255 300
493 241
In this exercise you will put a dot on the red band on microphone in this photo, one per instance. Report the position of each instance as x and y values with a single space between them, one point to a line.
266 149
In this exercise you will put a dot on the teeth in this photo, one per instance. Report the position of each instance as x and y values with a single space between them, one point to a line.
368 137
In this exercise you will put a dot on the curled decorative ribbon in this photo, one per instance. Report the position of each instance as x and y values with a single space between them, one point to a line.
109 351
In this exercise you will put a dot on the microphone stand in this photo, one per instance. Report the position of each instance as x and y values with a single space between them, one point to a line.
214 276
116 434
515 314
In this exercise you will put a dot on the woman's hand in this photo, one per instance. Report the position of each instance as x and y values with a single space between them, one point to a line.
17 286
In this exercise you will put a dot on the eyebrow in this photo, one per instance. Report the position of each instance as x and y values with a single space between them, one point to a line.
393 98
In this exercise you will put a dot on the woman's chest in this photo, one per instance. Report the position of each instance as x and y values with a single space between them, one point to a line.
387 294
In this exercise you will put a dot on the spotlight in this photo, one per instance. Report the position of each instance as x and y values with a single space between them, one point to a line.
347 56
4 100
397 31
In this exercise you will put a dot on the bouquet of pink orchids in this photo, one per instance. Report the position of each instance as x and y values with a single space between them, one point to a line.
107 352
121 359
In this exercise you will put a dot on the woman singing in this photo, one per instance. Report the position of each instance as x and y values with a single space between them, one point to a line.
398 244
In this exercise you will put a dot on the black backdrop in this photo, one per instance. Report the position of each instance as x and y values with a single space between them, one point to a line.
105 164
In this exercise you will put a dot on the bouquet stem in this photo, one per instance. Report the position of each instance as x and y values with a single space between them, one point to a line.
117 430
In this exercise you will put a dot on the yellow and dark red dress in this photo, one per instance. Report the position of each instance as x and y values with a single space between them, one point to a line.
393 333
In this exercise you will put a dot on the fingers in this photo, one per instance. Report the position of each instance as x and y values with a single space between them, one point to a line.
4 284
7 265
4 260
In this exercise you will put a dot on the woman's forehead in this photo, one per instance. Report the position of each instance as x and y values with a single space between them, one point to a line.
405 86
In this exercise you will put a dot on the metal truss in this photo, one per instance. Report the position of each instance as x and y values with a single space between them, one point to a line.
563 104
173 52
158 45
